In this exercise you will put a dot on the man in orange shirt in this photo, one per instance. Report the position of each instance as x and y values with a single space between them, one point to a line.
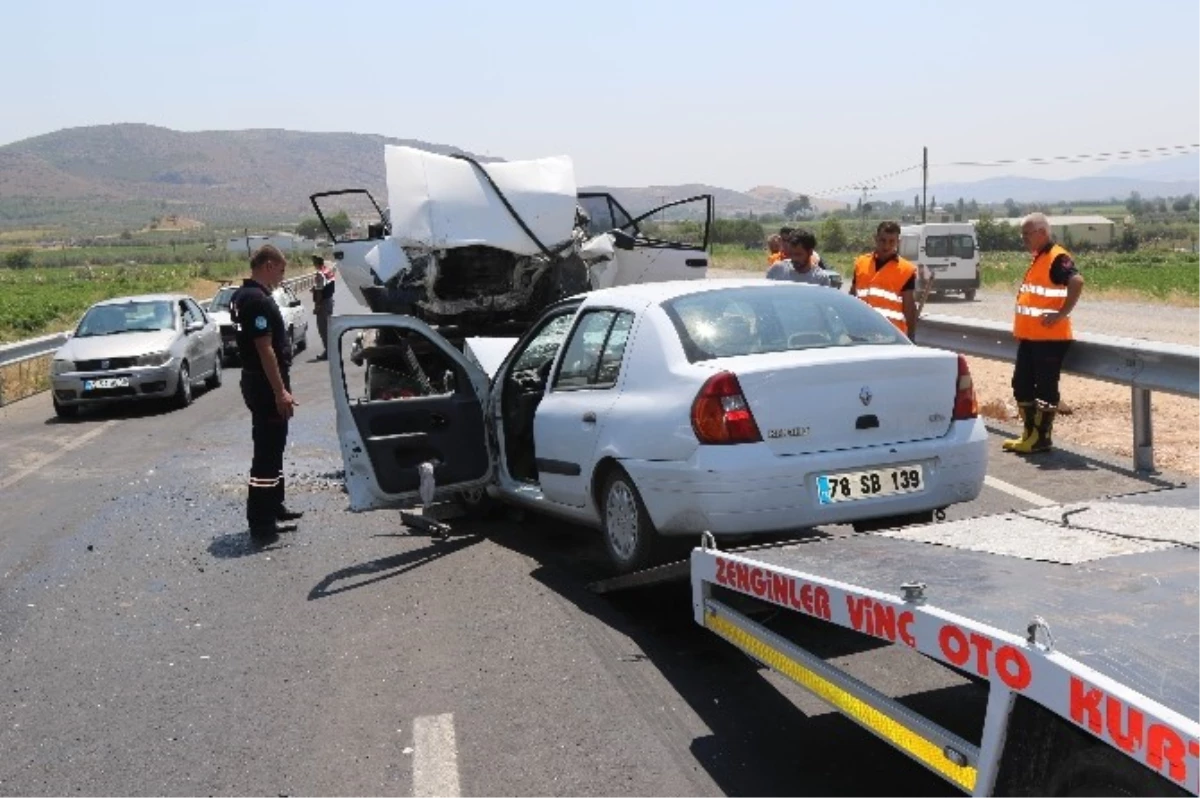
774 249
886 281
1042 327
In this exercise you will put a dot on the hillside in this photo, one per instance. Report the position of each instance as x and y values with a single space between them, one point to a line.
122 175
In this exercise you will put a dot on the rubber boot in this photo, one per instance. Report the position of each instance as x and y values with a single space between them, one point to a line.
1039 439
1027 411
1045 425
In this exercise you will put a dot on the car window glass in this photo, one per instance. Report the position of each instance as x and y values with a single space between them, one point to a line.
614 350
962 246
937 246
186 313
544 345
582 355
221 300
745 321
196 311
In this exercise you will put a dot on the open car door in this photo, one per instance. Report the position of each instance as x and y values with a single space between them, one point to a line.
669 242
404 397
356 226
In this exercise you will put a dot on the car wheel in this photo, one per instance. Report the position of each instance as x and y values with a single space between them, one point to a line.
65 411
214 379
292 339
183 391
629 536
969 294
477 504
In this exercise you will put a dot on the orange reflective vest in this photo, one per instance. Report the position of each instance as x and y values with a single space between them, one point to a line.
882 288
1038 296
774 258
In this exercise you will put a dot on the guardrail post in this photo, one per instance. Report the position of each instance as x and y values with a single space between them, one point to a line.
1143 431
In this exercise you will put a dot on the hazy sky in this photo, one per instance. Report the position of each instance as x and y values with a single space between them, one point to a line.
801 94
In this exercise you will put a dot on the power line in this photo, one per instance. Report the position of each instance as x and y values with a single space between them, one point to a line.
858 184
1117 155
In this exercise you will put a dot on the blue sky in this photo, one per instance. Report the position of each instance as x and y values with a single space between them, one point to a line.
804 95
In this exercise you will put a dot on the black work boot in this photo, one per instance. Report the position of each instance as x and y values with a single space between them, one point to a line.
282 513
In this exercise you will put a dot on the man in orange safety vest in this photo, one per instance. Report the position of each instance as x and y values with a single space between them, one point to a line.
886 281
1042 326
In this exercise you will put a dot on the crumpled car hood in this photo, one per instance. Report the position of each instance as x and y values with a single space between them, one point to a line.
439 202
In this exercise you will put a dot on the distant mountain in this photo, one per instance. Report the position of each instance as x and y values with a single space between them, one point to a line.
124 172
1030 189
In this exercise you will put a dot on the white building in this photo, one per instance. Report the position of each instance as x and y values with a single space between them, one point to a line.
1067 230
285 242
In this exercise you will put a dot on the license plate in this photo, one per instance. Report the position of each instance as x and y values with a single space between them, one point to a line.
855 485
106 382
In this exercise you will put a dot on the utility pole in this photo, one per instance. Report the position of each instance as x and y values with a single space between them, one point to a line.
924 180
863 205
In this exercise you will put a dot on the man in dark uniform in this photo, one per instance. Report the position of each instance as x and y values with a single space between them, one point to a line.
266 358
322 293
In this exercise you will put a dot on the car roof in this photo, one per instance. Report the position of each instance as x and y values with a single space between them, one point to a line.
653 293
120 300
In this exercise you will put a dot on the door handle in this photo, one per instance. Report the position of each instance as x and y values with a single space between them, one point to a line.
589 417
437 420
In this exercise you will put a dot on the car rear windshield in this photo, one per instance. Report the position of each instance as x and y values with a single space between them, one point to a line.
221 300
729 322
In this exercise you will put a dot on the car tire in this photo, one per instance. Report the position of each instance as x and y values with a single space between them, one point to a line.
183 389
969 294
64 411
214 380
477 504
629 536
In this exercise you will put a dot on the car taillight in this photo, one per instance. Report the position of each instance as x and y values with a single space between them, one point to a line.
965 405
720 413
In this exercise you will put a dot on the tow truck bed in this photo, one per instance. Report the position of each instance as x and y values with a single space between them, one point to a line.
1083 620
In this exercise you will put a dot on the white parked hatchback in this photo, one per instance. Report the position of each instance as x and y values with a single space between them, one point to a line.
728 406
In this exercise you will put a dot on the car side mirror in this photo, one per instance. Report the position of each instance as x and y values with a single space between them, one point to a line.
295 303
193 326
622 240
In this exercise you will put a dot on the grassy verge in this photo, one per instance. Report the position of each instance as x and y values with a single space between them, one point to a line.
39 301
19 380
1149 275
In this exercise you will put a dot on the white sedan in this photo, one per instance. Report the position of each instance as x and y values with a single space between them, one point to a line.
728 406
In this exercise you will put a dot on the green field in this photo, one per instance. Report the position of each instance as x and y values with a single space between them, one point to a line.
45 300
1173 276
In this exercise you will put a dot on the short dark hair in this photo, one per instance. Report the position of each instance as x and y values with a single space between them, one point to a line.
786 231
267 253
318 260
803 238
888 227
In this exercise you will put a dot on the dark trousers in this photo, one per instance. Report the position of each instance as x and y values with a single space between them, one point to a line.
323 313
1039 365
269 432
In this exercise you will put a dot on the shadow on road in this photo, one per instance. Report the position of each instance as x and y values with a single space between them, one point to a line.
240 544
388 567
761 743
133 409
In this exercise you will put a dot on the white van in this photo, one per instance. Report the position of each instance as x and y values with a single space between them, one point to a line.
948 250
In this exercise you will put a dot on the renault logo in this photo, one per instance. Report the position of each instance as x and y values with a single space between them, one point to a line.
864 395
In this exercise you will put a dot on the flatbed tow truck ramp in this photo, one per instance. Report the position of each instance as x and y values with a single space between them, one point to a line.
1080 622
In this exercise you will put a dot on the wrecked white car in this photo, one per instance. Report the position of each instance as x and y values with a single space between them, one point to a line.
484 248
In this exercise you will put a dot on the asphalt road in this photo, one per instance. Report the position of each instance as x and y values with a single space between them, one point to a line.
147 648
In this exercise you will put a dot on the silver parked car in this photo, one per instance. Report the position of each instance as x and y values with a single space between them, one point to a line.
136 347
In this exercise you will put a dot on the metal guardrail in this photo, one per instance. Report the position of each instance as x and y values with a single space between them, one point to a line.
31 357
1145 366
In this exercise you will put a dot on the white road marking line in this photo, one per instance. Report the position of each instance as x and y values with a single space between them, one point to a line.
45 460
435 757
1020 493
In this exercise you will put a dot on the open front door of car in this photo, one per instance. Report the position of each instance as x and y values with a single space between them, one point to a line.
669 242
404 397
